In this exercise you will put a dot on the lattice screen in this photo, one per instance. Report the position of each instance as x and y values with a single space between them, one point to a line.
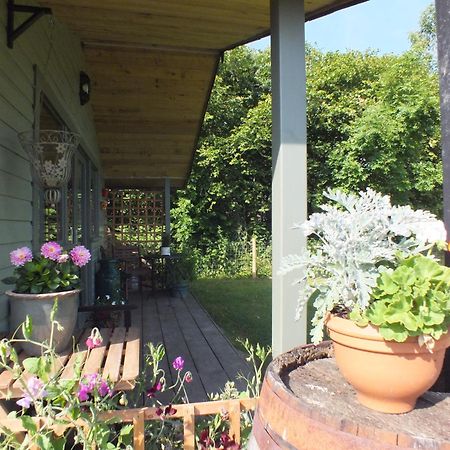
136 217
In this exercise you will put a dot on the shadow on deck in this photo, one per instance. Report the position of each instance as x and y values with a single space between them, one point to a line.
186 329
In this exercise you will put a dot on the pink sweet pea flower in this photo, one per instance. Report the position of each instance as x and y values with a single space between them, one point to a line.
94 340
188 377
20 256
80 255
178 363
51 250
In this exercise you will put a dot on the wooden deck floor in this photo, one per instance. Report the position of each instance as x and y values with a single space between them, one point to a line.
187 330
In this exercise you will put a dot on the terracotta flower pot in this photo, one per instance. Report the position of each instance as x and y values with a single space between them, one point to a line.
38 307
387 376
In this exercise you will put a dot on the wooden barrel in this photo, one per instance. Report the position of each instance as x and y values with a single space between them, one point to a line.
306 404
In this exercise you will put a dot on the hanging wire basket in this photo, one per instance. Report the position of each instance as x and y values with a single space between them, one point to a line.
50 153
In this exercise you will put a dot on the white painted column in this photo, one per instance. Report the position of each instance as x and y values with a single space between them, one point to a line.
289 165
167 206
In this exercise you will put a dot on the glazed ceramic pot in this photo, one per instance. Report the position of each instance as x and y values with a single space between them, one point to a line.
387 376
39 307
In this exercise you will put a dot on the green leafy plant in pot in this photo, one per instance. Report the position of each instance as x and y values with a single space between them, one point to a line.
40 281
181 274
375 284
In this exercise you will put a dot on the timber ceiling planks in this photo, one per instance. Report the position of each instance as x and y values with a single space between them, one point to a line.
152 63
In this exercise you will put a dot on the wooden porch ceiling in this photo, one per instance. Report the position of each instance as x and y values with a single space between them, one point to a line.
152 64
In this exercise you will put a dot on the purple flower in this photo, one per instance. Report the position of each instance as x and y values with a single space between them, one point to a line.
20 256
80 255
51 250
83 393
154 389
90 381
103 388
36 388
25 402
178 363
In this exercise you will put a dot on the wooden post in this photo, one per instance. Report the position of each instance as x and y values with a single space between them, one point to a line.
254 257
288 165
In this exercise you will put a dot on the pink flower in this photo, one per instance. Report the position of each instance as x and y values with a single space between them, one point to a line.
63 258
51 250
188 377
25 402
178 363
20 256
80 255
94 340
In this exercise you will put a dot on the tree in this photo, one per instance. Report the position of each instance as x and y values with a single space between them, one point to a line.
373 120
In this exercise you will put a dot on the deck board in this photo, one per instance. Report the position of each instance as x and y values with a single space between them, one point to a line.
187 330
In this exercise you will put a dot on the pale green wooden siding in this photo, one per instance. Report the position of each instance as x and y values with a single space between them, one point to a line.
61 74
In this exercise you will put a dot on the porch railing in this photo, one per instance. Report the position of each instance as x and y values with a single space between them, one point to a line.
138 416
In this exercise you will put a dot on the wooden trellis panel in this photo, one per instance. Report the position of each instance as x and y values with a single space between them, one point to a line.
136 217
138 416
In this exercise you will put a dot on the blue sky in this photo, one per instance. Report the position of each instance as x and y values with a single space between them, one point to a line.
382 25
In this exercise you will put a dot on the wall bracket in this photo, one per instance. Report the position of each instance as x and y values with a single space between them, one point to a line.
36 13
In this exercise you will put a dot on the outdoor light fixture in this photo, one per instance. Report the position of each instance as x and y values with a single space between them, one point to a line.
85 88
50 153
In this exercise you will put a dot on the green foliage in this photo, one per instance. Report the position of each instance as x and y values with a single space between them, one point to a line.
58 402
228 193
43 275
230 259
412 300
373 121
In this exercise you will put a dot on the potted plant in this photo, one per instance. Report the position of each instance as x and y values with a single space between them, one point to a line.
180 273
165 245
384 297
40 281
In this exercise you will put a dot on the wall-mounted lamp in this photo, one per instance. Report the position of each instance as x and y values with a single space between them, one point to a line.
85 88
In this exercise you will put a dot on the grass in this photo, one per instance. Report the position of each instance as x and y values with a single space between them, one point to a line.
242 307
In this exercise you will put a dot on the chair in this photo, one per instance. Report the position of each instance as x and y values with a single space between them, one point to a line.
132 265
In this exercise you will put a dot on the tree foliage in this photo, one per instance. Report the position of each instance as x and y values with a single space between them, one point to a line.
373 121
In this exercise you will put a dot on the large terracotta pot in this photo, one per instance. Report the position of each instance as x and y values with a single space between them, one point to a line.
388 376
39 307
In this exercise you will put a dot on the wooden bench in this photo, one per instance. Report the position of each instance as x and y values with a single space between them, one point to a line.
117 359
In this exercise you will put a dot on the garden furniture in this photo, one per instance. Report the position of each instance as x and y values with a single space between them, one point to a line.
118 359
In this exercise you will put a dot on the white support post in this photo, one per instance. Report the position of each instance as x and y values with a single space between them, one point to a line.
289 165
167 205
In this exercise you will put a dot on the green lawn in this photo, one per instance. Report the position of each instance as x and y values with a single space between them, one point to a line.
241 307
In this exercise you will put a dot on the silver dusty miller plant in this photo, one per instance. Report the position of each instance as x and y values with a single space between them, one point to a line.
357 238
